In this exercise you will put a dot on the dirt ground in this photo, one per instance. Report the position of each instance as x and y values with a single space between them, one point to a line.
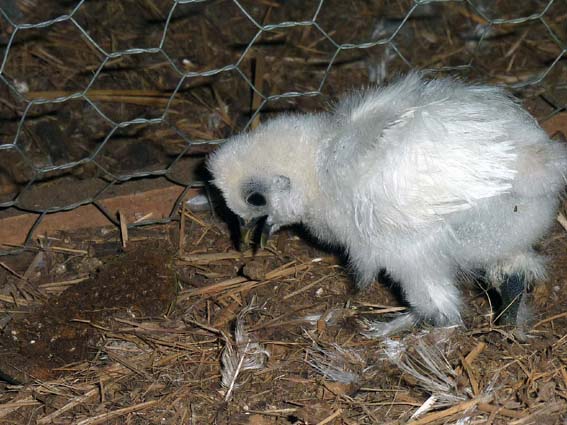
53 334
174 330
145 338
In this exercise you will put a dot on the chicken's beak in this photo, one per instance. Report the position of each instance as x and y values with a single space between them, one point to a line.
249 231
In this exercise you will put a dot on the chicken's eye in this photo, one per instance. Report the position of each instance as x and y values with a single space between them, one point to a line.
256 199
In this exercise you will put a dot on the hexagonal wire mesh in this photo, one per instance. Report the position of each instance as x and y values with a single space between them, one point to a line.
99 94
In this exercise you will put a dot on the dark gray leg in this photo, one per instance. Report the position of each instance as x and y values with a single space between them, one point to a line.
512 277
511 292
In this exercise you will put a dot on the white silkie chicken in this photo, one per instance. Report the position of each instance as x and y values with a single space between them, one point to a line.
425 179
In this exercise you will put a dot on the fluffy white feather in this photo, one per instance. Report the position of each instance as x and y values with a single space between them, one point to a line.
336 363
422 178
243 355
423 357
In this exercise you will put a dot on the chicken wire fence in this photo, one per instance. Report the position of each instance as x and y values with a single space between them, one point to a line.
97 95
